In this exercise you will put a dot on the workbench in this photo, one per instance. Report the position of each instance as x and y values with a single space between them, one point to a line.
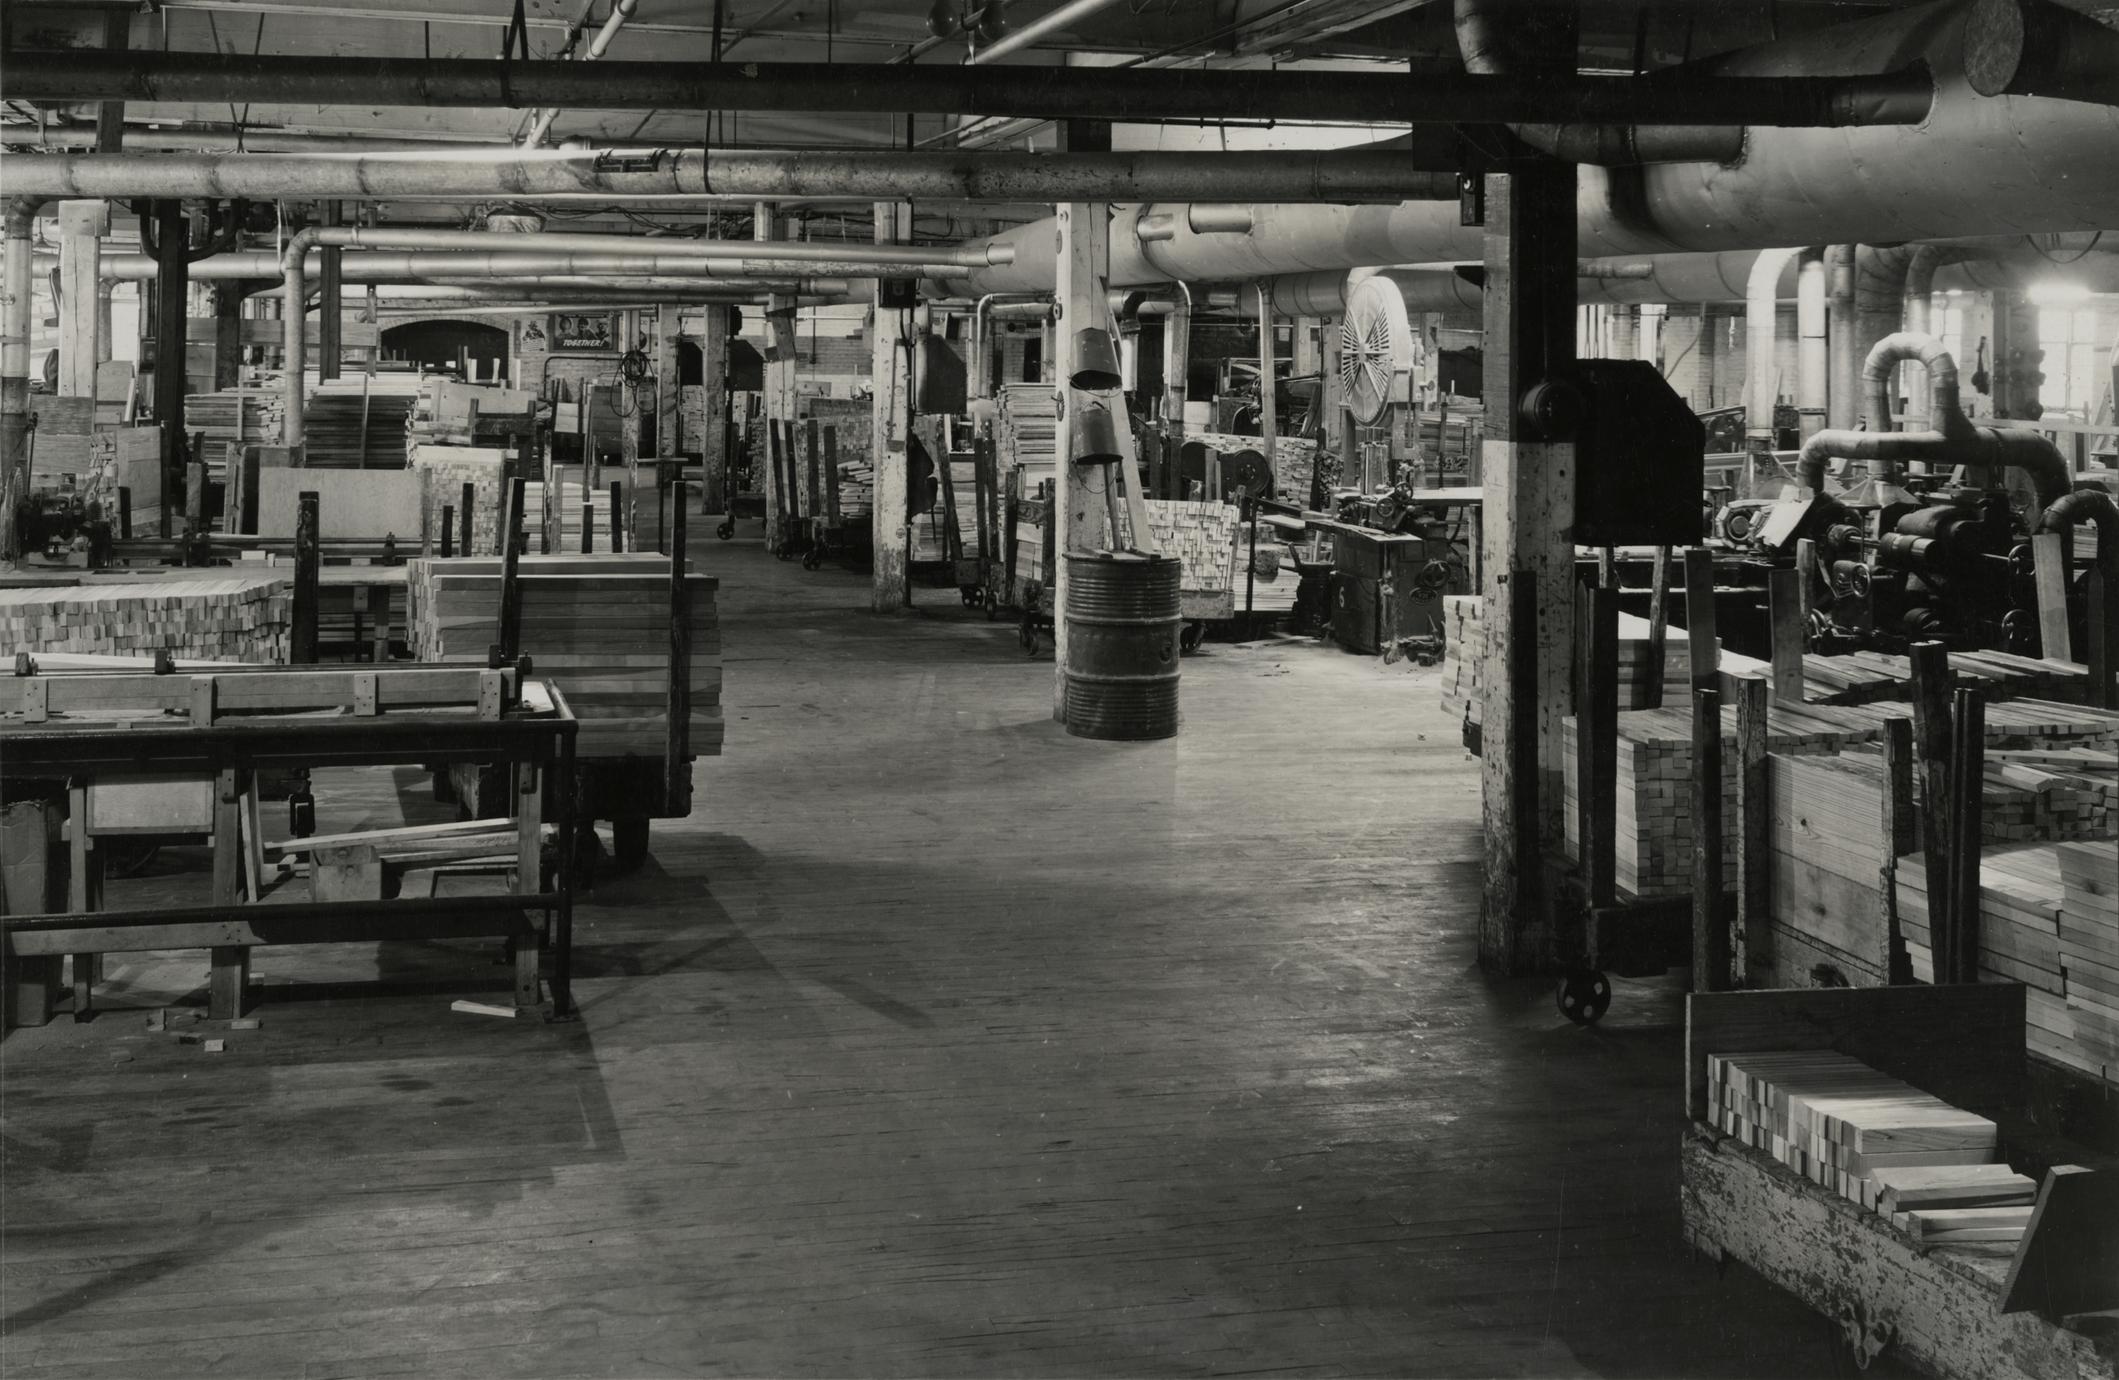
224 726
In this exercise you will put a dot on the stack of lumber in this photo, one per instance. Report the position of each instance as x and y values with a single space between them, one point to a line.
1874 1140
596 626
1867 677
857 488
1032 516
237 618
2089 950
445 470
247 416
1463 652
441 411
1294 460
1652 834
565 492
1464 646
1025 434
358 423
960 501
1445 442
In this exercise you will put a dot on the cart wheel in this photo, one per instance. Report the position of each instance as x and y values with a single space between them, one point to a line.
812 559
629 840
1584 996
727 529
1026 632
1190 639
971 595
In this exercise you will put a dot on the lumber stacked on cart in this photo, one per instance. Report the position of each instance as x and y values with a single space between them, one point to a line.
2088 922
443 411
226 618
1293 461
1868 677
565 494
1025 433
1464 647
959 503
1201 534
444 471
857 487
596 626
59 445
1933 1169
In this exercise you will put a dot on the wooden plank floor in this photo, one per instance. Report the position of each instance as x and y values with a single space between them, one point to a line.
935 1043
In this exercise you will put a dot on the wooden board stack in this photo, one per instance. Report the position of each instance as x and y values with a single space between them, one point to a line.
1200 534
930 525
1294 460
566 510
1875 1140
1463 651
59 445
1653 831
445 471
1869 677
439 410
1024 434
358 422
1465 644
857 488
597 626
2088 920
235 618
247 416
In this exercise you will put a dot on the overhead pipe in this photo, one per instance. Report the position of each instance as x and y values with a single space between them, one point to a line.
1480 25
2096 507
1874 185
598 46
1208 218
1336 175
1954 439
16 318
981 383
2037 48
71 75
1054 22
375 267
1761 313
1843 372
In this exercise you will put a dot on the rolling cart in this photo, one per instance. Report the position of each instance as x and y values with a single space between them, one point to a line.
739 502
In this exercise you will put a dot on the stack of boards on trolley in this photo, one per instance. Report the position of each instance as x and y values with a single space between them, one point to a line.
1933 1169
599 627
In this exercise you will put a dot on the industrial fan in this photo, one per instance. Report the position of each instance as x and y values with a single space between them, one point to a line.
1377 350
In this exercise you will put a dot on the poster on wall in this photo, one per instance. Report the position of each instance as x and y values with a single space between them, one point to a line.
584 332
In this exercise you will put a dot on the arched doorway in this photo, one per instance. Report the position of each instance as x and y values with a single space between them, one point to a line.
479 350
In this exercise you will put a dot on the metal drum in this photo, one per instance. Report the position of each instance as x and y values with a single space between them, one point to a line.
1123 616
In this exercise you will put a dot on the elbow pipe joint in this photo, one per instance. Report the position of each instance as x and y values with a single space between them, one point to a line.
2097 508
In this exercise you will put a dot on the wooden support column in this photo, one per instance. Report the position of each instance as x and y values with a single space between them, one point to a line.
890 370
1527 557
330 280
1751 941
1932 746
713 376
1177 362
172 303
631 333
666 328
82 225
1081 302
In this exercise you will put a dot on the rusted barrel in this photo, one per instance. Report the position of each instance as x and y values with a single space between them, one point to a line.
1123 615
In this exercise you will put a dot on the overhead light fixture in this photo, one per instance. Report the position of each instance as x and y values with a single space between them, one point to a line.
943 20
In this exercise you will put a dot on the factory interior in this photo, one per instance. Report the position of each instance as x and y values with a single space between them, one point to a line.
812 688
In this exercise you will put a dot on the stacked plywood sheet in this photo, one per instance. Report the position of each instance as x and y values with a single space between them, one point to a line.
1859 1133
236 618
597 626
445 470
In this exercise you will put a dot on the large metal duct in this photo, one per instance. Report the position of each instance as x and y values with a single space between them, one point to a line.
2035 163
1955 439
1812 354
1480 26
881 175
1843 366
1860 95
1761 369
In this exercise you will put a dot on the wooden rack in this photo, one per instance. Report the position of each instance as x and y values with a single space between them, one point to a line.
228 725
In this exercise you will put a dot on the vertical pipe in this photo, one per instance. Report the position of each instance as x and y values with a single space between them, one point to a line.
1761 306
1812 364
1177 364
294 344
1268 395
328 280
1843 389
14 373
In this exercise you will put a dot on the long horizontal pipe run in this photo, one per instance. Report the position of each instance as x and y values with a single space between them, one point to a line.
374 267
69 75
882 175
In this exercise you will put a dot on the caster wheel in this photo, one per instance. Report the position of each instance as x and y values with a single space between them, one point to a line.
813 560
970 595
1584 996
1190 639
629 841
725 531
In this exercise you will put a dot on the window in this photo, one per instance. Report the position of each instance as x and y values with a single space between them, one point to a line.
2077 341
